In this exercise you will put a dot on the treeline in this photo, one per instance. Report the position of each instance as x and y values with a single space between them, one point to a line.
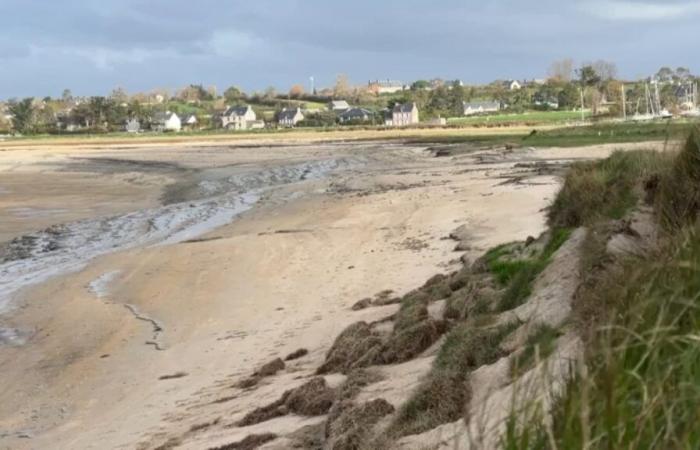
595 86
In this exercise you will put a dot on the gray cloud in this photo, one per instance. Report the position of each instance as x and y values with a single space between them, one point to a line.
92 46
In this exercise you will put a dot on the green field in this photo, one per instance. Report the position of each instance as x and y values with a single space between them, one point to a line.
530 117
575 136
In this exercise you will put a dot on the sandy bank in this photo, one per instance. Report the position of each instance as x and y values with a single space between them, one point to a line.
281 277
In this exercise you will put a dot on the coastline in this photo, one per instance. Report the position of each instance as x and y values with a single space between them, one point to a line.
296 265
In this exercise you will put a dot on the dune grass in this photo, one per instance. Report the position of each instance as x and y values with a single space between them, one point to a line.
444 394
641 389
518 274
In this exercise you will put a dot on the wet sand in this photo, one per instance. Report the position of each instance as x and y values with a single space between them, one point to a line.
211 308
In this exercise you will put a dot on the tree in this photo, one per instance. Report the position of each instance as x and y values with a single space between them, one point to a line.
664 74
67 96
568 97
561 71
296 91
683 73
23 115
588 76
342 86
270 93
458 97
119 95
606 70
233 94
419 85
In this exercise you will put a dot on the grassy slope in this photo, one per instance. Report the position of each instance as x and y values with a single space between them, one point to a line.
532 117
640 317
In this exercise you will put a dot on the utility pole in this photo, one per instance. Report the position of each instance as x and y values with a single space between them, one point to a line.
624 103
583 114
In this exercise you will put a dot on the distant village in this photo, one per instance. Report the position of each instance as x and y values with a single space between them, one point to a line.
593 89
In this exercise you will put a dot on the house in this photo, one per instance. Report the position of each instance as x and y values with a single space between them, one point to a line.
189 121
385 86
402 115
338 106
132 126
546 102
290 117
472 108
355 115
166 121
512 85
237 117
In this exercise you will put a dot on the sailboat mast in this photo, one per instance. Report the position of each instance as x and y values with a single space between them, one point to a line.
646 96
624 103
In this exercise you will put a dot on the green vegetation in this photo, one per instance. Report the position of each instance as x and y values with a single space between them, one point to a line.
540 344
576 136
641 389
517 272
528 117
604 189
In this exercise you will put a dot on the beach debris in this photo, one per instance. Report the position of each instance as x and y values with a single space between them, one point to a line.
348 424
362 304
350 347
271 368
173 376
313 398
297 354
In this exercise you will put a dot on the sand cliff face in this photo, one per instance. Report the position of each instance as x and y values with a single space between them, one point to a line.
131 327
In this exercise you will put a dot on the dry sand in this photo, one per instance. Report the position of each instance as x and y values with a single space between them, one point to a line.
282 276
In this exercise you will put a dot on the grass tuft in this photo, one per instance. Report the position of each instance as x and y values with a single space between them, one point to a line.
442 397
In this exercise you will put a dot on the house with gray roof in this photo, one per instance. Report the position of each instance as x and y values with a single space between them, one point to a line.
189 121
238 117
401 115
290 117
472 108
166 121
355 115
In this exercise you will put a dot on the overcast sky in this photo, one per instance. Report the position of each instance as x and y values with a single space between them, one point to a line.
92 46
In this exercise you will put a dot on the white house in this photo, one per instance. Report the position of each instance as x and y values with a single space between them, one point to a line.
166 121
290 117
402 115
512 85
472 108
239 118
132 126
338 106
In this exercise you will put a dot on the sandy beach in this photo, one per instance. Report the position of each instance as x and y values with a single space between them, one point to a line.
138 285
